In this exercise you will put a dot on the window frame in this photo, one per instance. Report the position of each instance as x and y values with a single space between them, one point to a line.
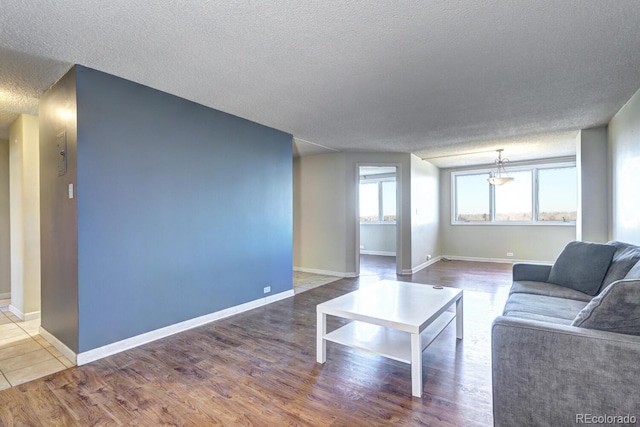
379 181
534 169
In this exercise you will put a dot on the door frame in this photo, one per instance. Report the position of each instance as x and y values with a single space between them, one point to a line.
399 221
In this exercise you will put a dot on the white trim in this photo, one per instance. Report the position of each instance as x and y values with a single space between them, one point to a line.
5 295
24 316
279 296
313 143
497 260
324 272
365 223
516 223
381 253
399 203
421 266
129 343
147 337
59 345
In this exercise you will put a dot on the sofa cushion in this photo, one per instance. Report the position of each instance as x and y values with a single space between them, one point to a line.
547 289
525 305
624 258
540 318
582 266
616 309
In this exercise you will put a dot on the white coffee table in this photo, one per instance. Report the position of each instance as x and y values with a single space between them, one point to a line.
394 319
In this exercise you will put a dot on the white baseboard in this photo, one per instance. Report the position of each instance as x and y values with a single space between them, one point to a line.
24 316
324 272
381 253
497 260
129 343
59 345
5 295
421 266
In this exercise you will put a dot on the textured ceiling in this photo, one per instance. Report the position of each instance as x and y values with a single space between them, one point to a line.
23 78
411 76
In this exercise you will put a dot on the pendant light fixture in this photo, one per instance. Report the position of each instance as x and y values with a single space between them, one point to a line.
500 176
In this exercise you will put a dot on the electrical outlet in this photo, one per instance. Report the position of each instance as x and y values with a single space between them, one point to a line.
361 246
267 289
509 254
428 257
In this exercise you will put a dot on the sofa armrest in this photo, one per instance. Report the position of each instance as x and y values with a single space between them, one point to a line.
550 375
533 272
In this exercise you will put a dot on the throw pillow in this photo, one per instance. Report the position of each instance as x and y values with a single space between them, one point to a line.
634 273
625 257
582 266
616 309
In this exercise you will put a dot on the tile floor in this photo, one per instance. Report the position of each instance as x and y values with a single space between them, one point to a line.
24 354
305 281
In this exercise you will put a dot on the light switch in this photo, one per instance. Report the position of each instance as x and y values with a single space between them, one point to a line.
71 191
61 146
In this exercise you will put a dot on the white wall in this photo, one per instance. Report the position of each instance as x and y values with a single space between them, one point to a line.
5 237
378 239
624 145
319 220
592 166
326 226
24 165
425 211
526 242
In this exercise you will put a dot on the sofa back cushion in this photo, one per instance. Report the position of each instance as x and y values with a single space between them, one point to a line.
624 258
582 266
616 309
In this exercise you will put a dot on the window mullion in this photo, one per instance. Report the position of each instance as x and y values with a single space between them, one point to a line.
535 195
492 203
380 203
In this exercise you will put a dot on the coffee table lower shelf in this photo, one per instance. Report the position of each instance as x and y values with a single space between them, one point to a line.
387 342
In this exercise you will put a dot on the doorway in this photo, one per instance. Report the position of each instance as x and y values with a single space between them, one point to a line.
377 240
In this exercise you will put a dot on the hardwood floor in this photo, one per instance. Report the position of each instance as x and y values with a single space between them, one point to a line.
377 265
258 368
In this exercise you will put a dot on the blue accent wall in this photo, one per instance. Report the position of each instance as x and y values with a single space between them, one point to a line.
182 210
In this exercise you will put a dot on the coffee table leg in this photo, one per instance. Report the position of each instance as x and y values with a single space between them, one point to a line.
416 365
321 344
459 327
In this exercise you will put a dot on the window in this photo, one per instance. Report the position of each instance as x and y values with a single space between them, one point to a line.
538 194
557 202
471 201
369 202
378 201
513 200
388 201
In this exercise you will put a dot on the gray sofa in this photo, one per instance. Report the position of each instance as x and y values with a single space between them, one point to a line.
563 356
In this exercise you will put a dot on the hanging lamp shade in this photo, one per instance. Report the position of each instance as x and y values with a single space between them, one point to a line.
499 177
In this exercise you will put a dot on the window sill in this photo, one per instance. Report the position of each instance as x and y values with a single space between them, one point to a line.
378 223
521 223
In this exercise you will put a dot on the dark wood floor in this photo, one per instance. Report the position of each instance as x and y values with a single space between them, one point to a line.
258 368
